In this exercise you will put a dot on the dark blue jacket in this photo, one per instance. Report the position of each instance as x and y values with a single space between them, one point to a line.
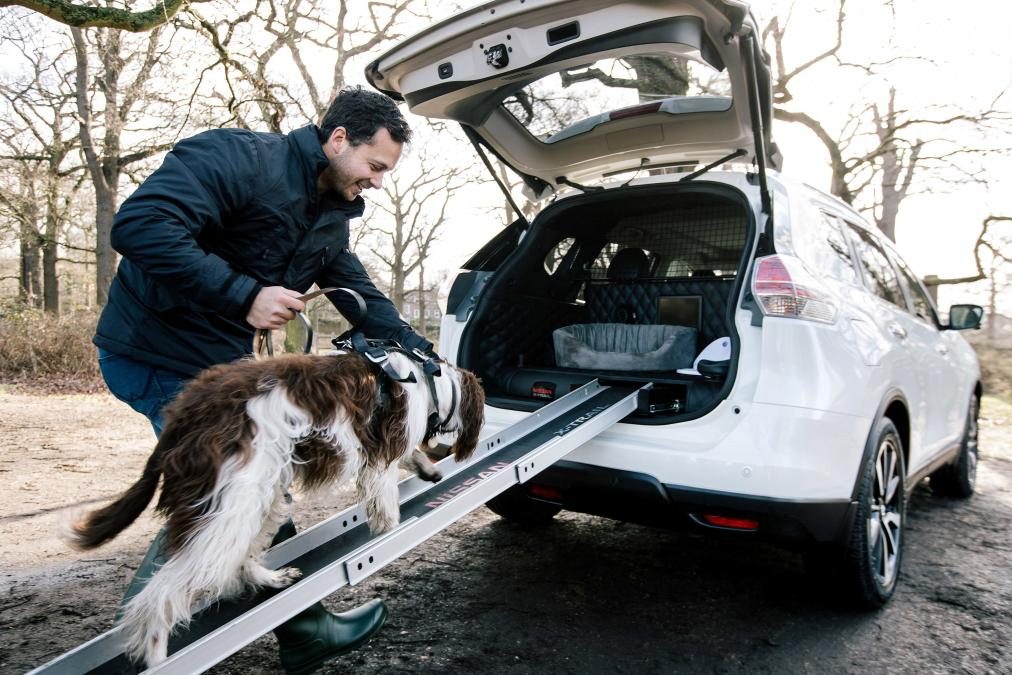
229 212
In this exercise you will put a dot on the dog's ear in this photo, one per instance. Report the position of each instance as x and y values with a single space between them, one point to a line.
471 411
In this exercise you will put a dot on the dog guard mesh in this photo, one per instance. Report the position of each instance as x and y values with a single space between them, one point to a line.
681 241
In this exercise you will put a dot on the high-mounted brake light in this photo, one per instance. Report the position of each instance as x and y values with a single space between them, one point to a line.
635 111
784 287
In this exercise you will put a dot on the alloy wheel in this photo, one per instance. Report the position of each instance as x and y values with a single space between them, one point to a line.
885 515
971 443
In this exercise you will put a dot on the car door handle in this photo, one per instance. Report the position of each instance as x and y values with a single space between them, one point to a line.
942 349
897 330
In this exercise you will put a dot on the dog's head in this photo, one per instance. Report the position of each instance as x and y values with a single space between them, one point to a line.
460 408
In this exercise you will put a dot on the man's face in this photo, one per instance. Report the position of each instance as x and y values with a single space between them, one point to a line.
354 168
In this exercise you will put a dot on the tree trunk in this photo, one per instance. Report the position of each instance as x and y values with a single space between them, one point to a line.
31 282
397 286
105 256
992 307
51 283
103 168
397 270
421 300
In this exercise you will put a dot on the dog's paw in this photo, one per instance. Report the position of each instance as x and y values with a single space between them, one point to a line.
422 466
285 576
378 524
433 476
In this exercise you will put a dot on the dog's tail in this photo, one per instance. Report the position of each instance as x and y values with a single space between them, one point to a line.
95 528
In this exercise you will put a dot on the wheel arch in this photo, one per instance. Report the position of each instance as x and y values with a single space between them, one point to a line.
894 406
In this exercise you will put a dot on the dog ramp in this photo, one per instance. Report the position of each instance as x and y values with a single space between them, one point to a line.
340 551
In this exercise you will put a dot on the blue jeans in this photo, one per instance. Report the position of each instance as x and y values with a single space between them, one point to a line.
145 388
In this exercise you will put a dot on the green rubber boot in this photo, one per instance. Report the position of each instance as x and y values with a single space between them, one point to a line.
307 639
314 635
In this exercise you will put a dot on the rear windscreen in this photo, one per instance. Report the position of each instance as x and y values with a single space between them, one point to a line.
577 99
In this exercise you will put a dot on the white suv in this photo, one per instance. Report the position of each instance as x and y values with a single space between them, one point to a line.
802 379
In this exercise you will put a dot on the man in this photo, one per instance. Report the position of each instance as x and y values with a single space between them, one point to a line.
223 239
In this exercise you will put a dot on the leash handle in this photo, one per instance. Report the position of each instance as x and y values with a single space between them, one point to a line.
262 338
359 301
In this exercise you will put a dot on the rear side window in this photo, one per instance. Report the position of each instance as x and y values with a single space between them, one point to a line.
878 272
919 301
835 260
558 254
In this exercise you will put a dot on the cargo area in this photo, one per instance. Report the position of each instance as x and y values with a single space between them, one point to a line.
627 286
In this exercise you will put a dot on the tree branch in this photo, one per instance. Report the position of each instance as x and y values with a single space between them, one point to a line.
87 16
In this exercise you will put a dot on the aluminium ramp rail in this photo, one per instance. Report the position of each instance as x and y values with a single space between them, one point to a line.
340 551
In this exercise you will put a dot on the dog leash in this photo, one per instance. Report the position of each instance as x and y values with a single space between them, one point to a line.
262 338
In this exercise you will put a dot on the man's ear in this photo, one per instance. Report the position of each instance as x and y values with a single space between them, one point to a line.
337 140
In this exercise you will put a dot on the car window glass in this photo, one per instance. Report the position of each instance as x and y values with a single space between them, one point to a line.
557 254
834 260
919 300
599 268
576 99
878 273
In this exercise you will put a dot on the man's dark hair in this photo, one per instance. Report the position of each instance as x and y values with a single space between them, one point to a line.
362 113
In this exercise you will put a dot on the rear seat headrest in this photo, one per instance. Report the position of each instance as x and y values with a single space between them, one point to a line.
629 263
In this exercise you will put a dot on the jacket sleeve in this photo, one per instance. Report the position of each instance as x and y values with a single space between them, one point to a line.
201 182
382 318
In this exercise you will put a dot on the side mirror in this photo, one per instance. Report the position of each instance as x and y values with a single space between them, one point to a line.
963 317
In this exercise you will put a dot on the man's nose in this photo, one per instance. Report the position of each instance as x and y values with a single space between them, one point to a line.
376 181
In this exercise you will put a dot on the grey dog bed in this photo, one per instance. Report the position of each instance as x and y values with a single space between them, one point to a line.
624 346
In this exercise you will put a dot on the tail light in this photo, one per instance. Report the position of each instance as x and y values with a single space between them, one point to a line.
784 287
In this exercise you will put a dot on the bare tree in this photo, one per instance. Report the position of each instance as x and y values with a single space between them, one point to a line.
653 77
884 151
417 206
108 101
19 206
38 136
256 51
89 16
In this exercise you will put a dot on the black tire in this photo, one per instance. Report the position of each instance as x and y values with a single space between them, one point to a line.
516 507
874 550
959 478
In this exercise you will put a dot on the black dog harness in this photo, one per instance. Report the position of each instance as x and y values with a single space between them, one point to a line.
377 352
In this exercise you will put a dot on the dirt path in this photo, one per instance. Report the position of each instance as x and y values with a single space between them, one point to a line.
583 595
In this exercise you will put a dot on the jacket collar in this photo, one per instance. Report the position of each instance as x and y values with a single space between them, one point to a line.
313 161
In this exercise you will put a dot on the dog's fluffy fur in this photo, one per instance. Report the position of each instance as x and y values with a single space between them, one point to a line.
234 441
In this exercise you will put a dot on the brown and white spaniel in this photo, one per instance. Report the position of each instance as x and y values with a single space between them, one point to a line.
234 441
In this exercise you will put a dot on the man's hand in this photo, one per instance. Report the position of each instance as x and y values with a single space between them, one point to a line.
273 307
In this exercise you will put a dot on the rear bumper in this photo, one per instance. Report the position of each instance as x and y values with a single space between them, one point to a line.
641 498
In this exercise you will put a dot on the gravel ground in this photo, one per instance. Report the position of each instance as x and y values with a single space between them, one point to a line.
582 595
